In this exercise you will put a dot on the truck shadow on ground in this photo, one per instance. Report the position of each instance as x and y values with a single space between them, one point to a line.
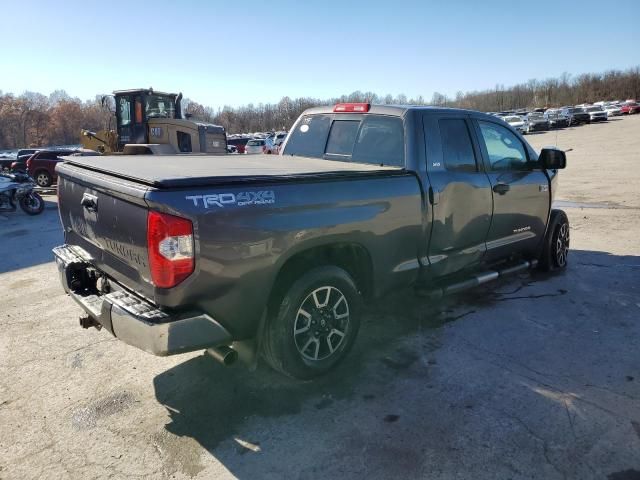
29 239
214 405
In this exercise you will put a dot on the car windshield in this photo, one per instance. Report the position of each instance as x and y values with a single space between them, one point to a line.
593 109
255 143
575 110
535 116
512 119
158 106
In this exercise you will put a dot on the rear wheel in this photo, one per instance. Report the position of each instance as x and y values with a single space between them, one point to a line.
32 204
43 179
315 324
556 244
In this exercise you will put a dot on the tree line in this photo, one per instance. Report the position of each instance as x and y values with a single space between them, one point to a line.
33 119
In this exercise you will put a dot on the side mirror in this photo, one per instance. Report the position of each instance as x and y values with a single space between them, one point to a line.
552 158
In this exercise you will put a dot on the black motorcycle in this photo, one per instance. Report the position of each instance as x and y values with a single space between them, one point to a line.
17 188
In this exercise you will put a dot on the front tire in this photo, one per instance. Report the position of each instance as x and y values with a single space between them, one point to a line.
315 324
556 243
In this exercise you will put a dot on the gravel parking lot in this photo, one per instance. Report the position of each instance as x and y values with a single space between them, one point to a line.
535 377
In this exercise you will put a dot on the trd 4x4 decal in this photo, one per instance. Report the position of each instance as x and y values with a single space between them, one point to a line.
260 197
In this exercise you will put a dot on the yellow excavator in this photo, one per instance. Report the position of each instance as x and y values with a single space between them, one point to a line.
150 122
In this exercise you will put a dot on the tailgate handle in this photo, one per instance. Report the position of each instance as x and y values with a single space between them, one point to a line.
89 202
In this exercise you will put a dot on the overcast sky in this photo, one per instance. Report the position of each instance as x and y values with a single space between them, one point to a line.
238 52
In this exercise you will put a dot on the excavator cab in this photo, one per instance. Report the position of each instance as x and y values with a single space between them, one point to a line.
134 109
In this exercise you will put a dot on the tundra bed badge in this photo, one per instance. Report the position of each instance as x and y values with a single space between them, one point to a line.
242 199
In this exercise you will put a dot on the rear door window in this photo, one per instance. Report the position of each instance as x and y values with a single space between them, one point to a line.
457 149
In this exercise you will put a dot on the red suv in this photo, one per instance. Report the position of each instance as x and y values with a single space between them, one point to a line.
42 165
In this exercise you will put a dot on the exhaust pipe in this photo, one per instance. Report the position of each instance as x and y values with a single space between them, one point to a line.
224 354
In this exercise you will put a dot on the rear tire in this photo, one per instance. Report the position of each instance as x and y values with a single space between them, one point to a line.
315 324
32 204
556 243
43 179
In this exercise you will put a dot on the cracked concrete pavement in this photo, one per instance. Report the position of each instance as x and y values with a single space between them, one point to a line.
537 376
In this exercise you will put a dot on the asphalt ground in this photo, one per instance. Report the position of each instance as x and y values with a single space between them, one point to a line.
537 376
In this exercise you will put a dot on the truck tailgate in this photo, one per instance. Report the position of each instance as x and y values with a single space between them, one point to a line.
108 220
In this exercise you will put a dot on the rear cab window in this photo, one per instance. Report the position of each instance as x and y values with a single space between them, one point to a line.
364 138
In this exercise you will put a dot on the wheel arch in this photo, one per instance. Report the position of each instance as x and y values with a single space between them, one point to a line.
352 257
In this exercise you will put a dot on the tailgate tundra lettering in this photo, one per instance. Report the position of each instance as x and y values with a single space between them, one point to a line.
261 197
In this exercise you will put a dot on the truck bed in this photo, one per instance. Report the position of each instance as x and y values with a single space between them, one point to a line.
167 171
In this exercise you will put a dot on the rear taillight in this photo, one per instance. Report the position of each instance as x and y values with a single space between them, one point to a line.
170 246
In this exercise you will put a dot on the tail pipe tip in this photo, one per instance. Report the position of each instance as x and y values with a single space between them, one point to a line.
224 354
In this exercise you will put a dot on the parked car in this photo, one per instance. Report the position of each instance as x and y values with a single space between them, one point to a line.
536 122
516 122
279 141
613 110
576 115
256 145
238 142
596 114
629 108
280 252
556 119
41 166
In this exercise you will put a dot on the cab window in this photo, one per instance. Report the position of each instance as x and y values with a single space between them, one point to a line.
505 150
124 109
380 141
342 137
373 139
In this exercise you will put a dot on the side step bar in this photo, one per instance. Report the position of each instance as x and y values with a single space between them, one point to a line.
474 280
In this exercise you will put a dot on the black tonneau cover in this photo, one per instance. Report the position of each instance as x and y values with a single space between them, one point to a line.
166 171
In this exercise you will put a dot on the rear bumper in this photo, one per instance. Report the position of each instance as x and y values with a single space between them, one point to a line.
133 319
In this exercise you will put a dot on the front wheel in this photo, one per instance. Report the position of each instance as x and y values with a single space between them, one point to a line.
32 204
556 243
315 324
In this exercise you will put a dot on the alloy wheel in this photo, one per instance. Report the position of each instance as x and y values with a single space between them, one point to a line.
42 179
321 323
562 245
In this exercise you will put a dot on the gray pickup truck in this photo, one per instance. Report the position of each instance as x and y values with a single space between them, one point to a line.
178 253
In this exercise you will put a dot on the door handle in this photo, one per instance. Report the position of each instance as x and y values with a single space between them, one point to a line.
89 202
501 188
